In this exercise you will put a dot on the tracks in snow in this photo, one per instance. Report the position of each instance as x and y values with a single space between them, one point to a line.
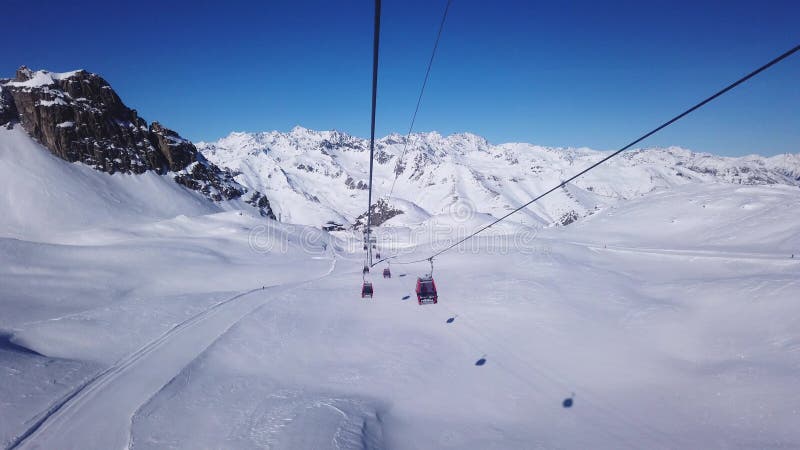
725 254
97 414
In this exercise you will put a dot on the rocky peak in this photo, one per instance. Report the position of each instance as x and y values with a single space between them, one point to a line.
178 152
80 118
381 212
24 74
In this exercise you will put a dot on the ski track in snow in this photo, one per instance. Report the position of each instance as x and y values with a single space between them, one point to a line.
78 413
684 252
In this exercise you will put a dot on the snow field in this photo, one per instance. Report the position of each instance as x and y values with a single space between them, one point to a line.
140 321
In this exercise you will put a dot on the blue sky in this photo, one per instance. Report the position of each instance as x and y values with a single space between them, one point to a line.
593 74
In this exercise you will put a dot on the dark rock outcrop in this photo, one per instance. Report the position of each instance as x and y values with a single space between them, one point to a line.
8 110
342 141
568 217
177 151
352 184
79 118
381 212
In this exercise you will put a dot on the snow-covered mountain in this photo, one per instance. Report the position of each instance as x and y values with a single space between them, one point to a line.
78 117
139 311
314 176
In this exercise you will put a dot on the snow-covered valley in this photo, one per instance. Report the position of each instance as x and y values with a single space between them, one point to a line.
135 313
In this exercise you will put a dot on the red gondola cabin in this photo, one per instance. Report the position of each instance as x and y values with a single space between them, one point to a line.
387 273
366 290
426 290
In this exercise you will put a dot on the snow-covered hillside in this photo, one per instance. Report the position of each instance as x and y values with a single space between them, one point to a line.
138 314
96 268
43 196
314 176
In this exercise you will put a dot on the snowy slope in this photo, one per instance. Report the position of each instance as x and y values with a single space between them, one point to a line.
128 305
754 219
661 348
135 314
43 196
94 267
662 345
315 176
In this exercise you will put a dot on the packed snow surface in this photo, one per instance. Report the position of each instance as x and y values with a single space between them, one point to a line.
136 314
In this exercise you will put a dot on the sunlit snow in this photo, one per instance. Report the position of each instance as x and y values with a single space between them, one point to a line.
136 314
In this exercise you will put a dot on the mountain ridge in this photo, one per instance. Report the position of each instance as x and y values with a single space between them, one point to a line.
310 177
309 169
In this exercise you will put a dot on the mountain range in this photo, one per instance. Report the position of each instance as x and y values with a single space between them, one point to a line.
314 176
311 177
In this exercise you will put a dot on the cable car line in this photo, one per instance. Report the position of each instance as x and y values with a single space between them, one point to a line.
366 286
368 257
643 137
375 47
419 99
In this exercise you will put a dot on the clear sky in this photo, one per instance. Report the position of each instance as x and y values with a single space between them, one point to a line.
559 73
